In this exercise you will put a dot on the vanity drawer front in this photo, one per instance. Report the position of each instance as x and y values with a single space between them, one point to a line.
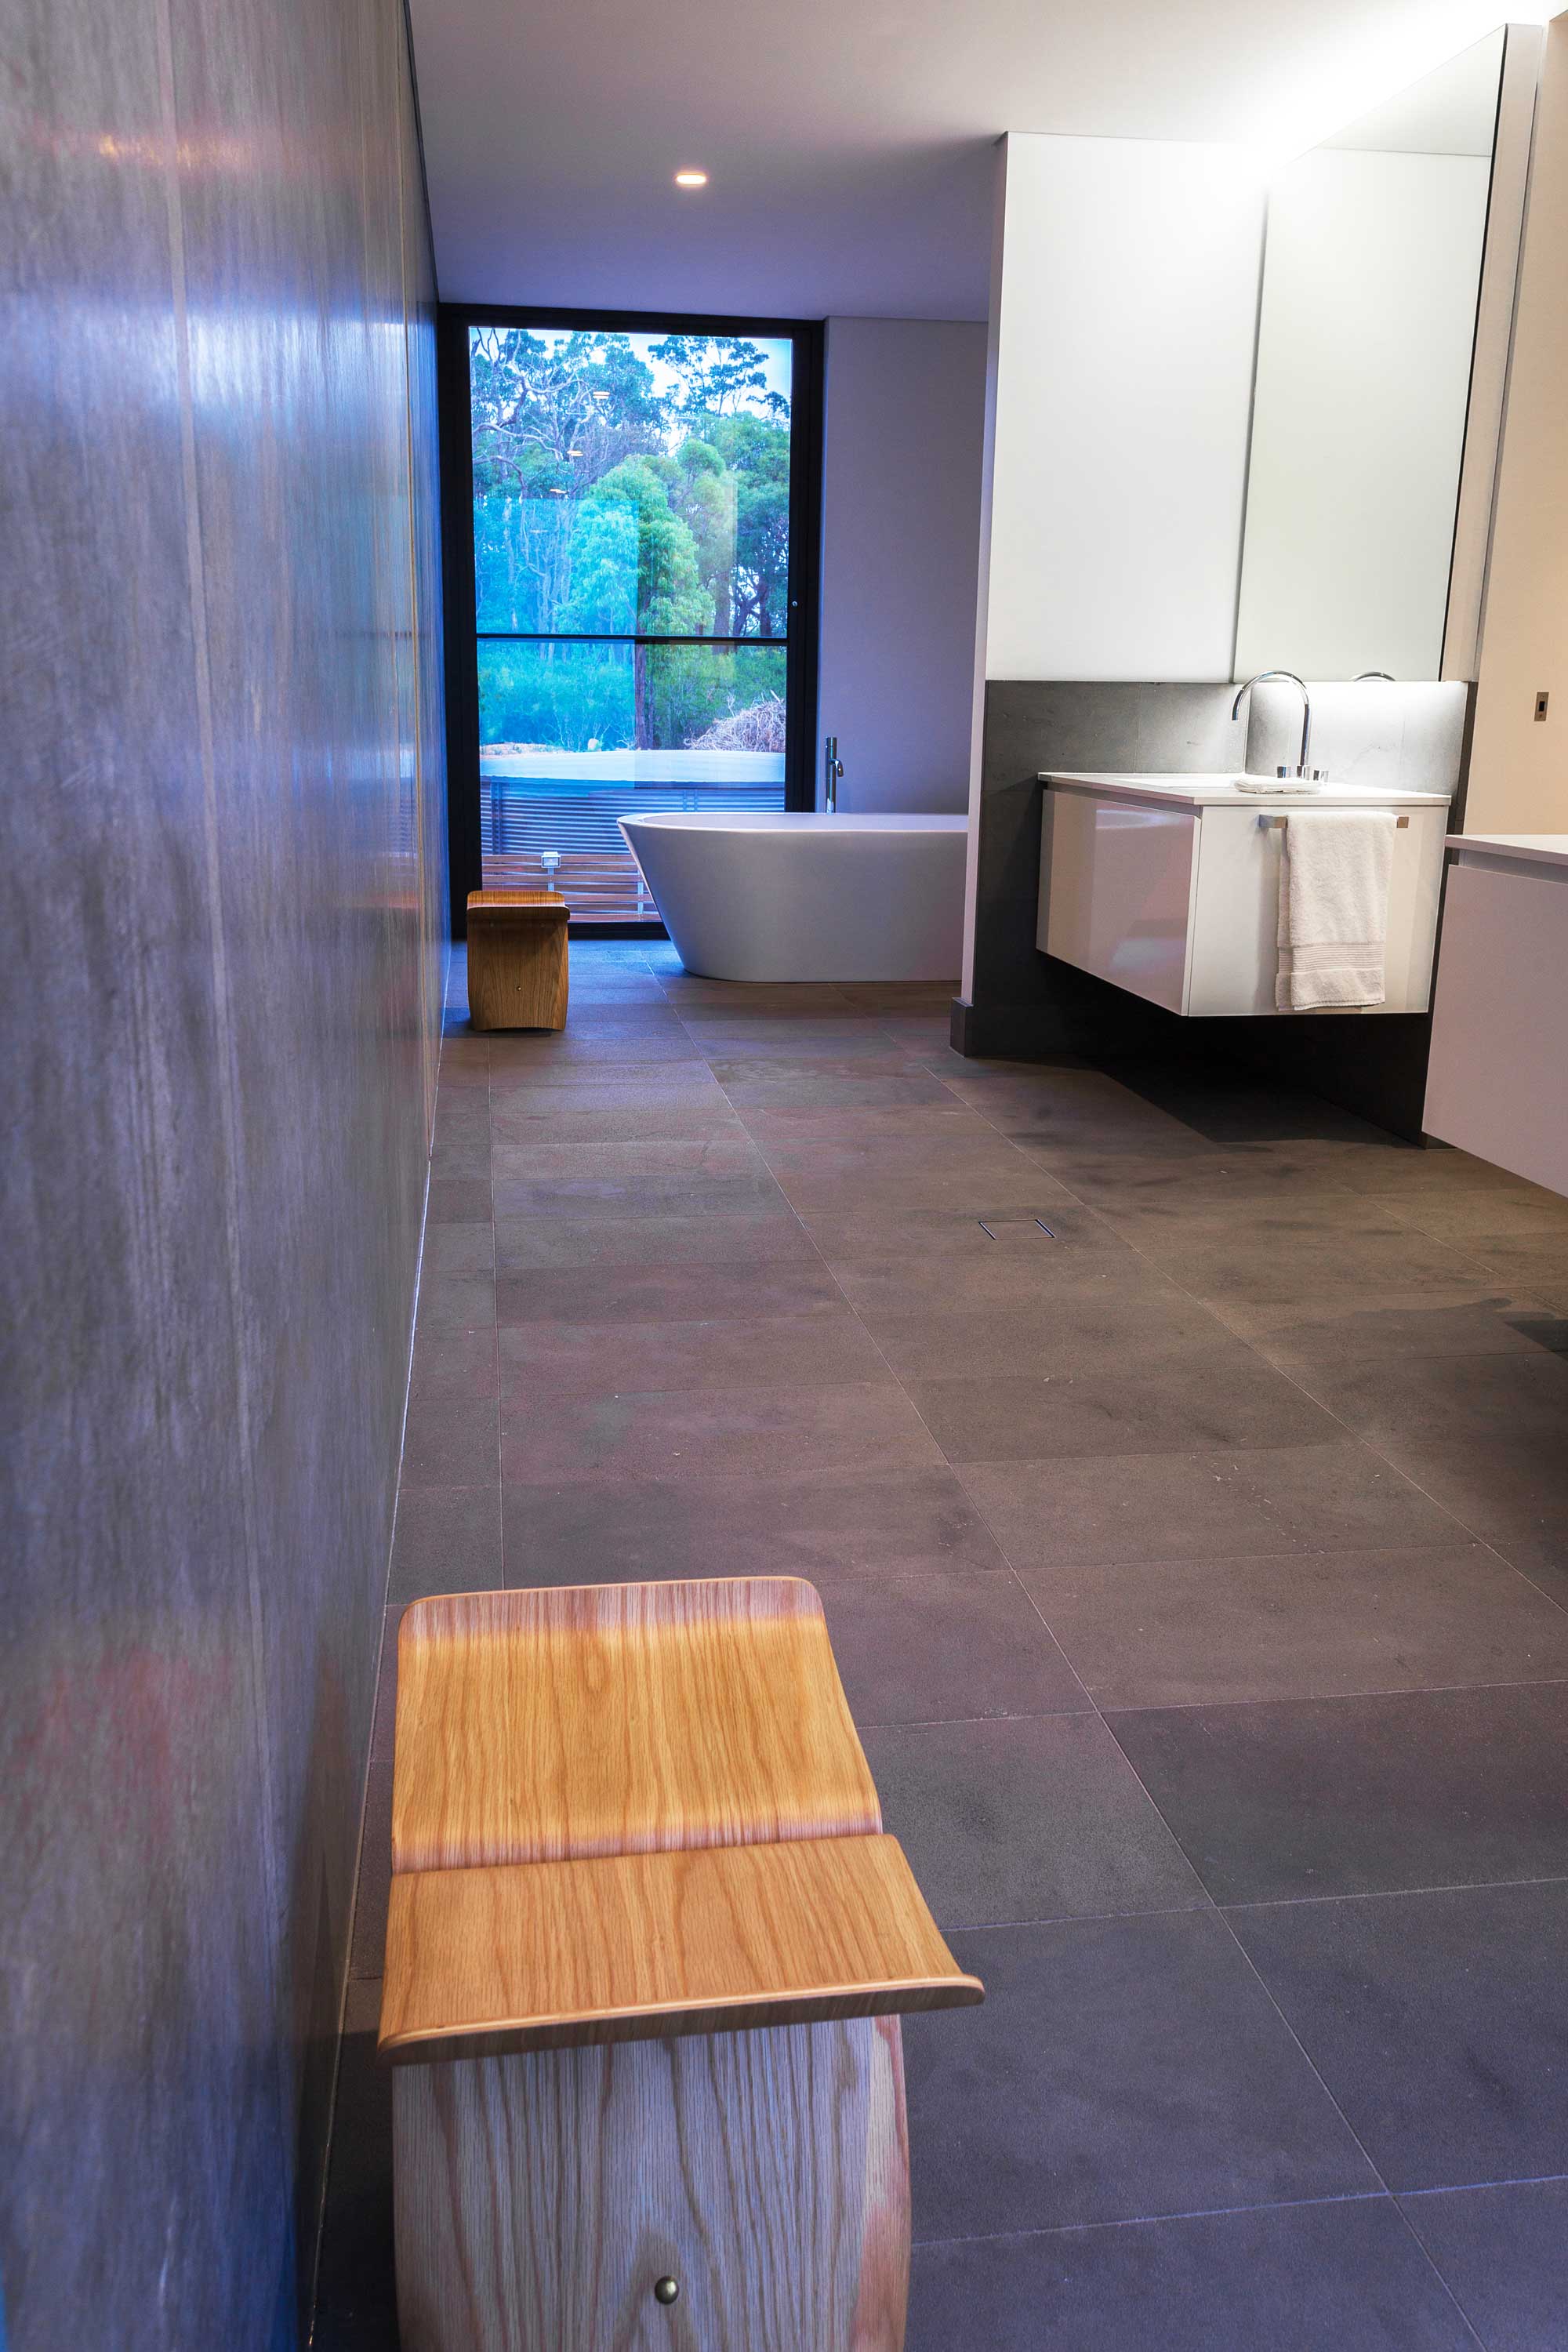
1116 895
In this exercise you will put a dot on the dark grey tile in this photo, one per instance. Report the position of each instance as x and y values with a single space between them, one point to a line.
368 1945
945 1647
1504 2253
975 1188
451 1441
447 1540
995 1230
697 1433
789 1352
458 1200
1119 2069
1300 1625
457 1302
453 1364
460 1249
651 1087
888 1087
1460 1321
1333 1497
738 1238
921 1288
1306 1272
1439 2022
1426 1403
1032 1817
866 1123
810 1069
828 1527
1357 1796
670 1117
730 1047
1520 1213
1223 1394
653 1179
466 1158
670 1294
356 2302
1153 1329
1292 2278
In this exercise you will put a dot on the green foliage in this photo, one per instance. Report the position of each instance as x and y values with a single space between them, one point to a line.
605 505
580 697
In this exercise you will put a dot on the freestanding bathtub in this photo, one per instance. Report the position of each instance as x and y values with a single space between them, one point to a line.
763 895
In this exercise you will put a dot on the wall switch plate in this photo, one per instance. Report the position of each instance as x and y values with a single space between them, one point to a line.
1542 701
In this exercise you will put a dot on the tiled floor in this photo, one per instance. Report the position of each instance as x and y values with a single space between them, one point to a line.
1184 1469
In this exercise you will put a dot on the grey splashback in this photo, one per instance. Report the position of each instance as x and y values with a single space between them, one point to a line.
1370 732
1028 1006
224 907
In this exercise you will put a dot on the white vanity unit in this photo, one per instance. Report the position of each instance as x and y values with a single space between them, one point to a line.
1169 885
1495 1084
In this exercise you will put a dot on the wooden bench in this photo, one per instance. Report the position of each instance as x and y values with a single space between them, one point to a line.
517 959
647 1947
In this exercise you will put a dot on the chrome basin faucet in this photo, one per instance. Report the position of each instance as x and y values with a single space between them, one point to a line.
1301 767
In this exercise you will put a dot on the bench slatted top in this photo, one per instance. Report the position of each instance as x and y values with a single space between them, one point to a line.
621 1719
547 905
484 1963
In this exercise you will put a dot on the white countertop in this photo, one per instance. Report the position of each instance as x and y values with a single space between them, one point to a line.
1535 849
1220 792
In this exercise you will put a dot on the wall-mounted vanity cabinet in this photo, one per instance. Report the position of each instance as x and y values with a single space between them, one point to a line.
1169 886
1495 1085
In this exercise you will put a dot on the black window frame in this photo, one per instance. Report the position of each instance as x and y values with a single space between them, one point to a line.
460 627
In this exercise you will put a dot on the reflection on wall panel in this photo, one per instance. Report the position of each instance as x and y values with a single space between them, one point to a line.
224 907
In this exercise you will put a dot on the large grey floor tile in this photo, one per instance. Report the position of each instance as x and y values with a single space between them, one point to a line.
740 1237
1216 1395
828 1087
927 1286
1300 1625
1267 1273
1440 2022
620 1295
787 1351
1046 1230
1119 2069
451 1441
697 1433
1033 1817
1345 2276
599 1179
865 1124
1431 1401
1460 1319
455 1302
945 1645
460 1249
1353 1796
459 1199
975 1187
1504 2253
669 1119
1089 1329
829 1527
447 1540
1335 1497
452 1364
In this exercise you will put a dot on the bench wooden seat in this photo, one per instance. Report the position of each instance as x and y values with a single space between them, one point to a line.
517 959
647 1949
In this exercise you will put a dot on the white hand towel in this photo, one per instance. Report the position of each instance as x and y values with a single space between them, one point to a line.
1335 867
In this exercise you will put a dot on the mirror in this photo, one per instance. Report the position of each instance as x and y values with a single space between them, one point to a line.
1371 278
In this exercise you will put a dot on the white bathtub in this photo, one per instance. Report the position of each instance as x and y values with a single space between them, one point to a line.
763 895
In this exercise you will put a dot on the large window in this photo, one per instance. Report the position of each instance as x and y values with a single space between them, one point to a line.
638 623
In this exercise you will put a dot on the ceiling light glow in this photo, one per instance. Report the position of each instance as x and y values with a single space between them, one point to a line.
691 179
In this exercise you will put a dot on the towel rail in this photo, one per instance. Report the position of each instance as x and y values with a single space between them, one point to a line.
1278 823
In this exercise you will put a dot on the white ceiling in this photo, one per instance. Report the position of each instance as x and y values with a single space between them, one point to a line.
848 141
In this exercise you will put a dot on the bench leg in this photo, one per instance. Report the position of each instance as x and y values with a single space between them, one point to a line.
540 2198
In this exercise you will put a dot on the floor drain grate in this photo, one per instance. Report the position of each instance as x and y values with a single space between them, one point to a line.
992 1234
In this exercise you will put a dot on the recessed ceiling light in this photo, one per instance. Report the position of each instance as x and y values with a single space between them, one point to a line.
691 179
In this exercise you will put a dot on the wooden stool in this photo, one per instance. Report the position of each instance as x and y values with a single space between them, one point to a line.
517 959
645 1951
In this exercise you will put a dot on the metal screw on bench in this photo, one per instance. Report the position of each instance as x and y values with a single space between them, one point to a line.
664 2290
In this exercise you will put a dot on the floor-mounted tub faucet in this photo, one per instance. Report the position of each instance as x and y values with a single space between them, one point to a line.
832 773
1302 767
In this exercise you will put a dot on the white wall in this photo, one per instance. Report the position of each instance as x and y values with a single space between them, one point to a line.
1518 768
1125 320
901 459
1364 370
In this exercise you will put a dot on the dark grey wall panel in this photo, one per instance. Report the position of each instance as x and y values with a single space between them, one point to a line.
224 902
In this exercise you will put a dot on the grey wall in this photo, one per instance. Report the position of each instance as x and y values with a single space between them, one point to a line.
1030 1006
223 903
904 437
